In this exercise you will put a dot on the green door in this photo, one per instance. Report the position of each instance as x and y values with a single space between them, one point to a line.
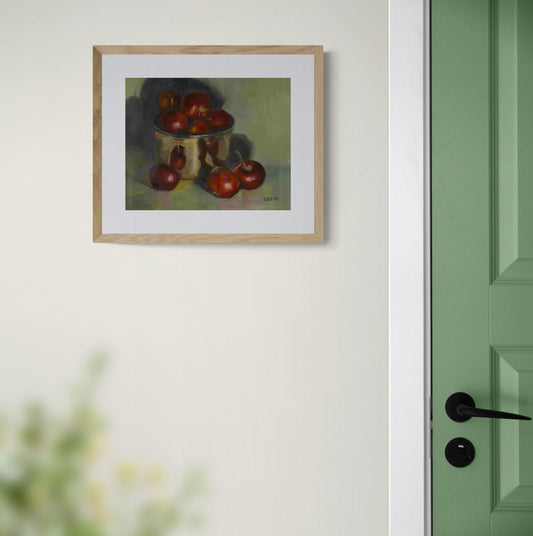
482 262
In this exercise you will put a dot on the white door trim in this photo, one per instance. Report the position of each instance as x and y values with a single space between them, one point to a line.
409 469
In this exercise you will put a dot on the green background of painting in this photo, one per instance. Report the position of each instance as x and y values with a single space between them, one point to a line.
261 109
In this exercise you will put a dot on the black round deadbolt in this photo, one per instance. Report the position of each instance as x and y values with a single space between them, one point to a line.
460 452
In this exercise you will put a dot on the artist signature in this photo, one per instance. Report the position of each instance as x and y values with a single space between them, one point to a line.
270 198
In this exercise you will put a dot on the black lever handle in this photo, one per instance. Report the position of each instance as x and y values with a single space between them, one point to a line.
461 406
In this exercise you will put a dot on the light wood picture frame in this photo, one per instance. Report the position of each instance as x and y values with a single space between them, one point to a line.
130 205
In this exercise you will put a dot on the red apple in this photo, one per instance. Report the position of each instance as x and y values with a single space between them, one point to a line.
220 119
222 182
178 158
199 126
169 100
250 173
212 146
208 145
195 104
163 177
172 121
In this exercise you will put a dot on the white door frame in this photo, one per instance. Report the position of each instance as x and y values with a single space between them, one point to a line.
409 306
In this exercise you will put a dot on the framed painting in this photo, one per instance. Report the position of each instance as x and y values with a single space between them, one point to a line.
208 144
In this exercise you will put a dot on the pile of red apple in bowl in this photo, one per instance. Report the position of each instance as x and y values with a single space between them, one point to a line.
193 117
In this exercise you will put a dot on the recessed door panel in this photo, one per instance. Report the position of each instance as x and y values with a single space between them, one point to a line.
512 124
513 455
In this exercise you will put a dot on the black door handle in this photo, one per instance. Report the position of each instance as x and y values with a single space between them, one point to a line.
461 406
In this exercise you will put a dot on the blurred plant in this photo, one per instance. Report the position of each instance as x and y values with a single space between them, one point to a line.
46 483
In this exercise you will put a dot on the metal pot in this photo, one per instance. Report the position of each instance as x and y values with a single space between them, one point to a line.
164 142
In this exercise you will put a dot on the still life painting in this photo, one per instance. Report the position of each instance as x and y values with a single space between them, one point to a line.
208 144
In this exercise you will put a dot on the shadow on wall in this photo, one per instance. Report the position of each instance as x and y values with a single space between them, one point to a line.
141 111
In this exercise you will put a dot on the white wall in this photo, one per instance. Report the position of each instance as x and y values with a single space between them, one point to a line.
265 363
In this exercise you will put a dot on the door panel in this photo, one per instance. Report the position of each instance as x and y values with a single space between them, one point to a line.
482 260
513 455
513 139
